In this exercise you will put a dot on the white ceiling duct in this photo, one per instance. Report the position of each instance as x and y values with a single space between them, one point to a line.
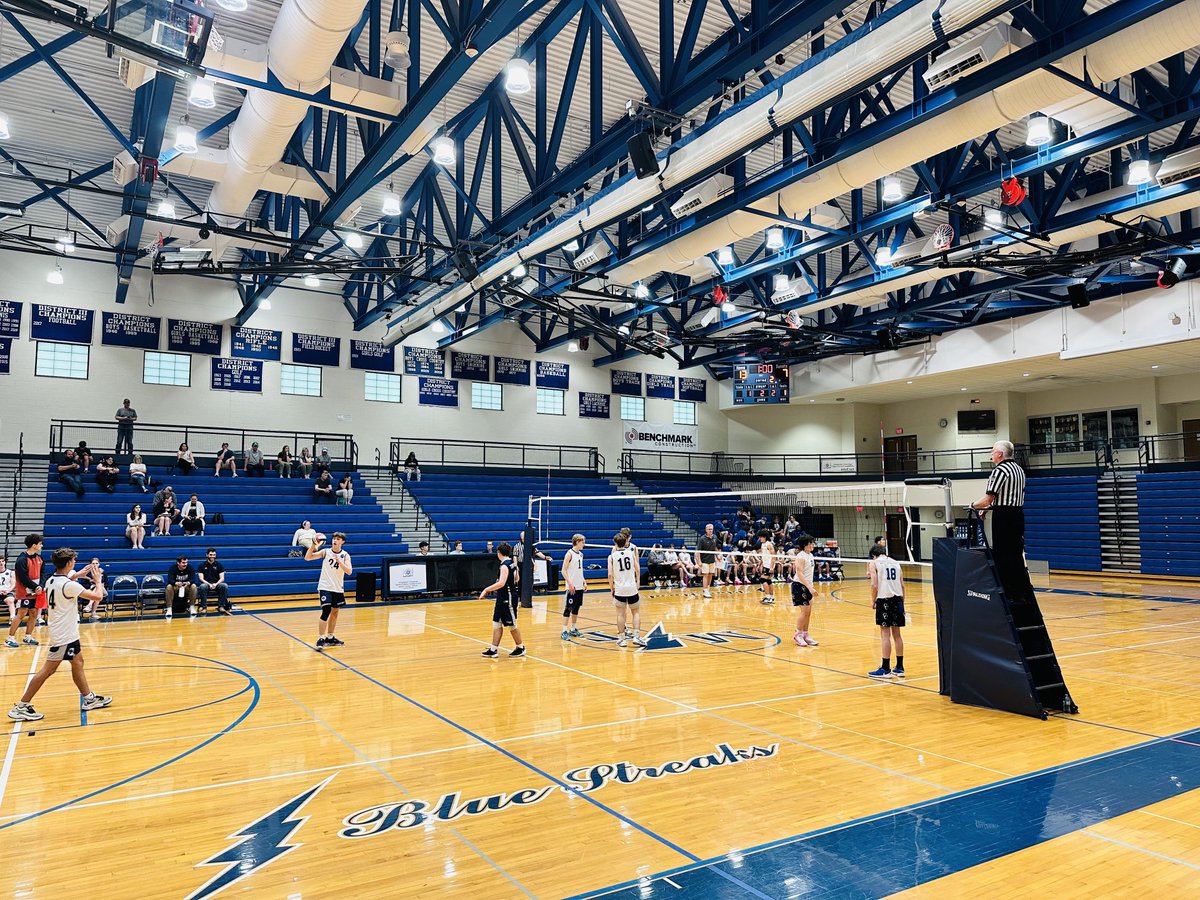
208 164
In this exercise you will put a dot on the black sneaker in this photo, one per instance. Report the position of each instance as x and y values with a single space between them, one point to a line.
519 651
320 644
489 653
331 641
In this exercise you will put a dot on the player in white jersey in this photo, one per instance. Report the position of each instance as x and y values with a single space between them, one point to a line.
62 598
331 586
887 599
802 590
572 570
624 570
8 586
766 576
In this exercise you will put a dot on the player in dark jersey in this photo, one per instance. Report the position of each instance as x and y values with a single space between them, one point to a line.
508 601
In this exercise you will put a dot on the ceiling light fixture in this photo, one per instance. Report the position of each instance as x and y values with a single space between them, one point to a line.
353 240
725 256
729 308
571 246
573 347
774 238
641 291
517 77
518 271
1038 131
445 153
993 216
893 190
55 275
439 327
391 203
165 209
266 304
1139 172
395 50
624 329
201 94
185 137
883 256
312 281
781 282
4 132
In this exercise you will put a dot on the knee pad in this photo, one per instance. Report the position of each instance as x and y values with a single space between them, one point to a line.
325 611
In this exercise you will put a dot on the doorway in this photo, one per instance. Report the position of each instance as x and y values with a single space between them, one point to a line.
896 526
1191 439
900 454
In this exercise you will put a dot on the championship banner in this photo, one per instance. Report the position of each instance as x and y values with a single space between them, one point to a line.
129 330
626 383
470 366
510 370
5 355
60 323
424 361
553 375
660 386
372 356
647 436
316 349
10 318
593 406
694 389
437 392
237 374
256 343
184 336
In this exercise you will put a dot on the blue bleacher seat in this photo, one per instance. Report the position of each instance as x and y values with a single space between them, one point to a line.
1168 523
696 512
1062 522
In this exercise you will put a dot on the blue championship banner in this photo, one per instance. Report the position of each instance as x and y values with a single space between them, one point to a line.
695 389
593 406
661 386
237 374
129 330
372 356
5 355
627 383
256 343
437 391
60 323
10 318
470 366
316 349
184 336
424 361
510 370
553 375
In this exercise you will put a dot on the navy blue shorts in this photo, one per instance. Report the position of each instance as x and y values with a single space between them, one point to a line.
801 595
329 598
504 613
889 612
574 603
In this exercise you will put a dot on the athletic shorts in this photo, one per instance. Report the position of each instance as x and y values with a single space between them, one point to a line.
27 602
505 612
708 568
631 600
801 595
889 612
65 652
330 598
574 603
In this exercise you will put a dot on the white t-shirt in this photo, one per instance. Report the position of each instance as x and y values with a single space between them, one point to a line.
62 595
333 575
766 551
573 570
303 534
8 582
134 521
685 557
672 557
804 567
887 577
623 564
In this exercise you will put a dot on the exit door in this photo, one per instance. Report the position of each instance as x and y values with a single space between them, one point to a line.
1191 439
900 454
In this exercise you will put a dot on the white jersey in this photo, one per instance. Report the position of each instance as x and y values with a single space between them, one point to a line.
887 577
573 570
62 595
623 564
8 582
333 575
766 551
804 567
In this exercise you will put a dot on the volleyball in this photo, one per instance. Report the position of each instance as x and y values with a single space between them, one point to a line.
318 538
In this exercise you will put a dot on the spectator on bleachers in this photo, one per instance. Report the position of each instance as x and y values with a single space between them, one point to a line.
226 459
256 463
303 536
323 461
423 548
284 458
192 524
185 461
323 489
165 511
458 550
194 505
685 567
305 462
83 453
411 468
8 585
138 473
657 566
181 582
212 581
91 577
135 527
107 473
68 473
791 525
125 417
489 549
345 490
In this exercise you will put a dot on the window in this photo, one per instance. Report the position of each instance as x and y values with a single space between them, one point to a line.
61 360
685 412
633 409
382 387
551 402
302 380
167 368
487 396
1087 432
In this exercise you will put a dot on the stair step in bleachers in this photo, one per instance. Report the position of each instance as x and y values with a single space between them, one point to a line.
1062 522
254 543
1169 523
695 511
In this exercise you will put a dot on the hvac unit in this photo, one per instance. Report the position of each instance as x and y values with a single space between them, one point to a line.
825 215
791 292
701 269
1086 112
701 195
973 54
911 250
132 73
597 252
125 168
1179 167
115 231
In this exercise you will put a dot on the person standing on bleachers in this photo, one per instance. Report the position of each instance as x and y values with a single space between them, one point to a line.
68 473
125 417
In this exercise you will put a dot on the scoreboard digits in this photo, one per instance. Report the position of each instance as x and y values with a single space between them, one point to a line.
761 383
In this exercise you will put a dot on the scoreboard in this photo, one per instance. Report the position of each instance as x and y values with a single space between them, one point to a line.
761 383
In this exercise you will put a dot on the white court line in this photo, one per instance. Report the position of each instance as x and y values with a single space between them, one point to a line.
1147 812
1170 859
6 769
1084 637
1190 637
148 742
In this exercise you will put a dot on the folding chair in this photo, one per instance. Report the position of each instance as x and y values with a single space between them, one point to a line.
153 588
124 590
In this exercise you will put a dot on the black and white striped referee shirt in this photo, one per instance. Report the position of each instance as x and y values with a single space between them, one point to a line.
1007 484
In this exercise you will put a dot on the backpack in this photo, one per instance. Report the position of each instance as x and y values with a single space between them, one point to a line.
218 518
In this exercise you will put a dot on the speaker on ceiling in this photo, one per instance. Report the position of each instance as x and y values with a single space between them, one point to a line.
641 155
585 342
465 264
1077 293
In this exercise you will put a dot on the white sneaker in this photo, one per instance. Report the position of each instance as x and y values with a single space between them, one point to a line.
707 593
622 641
808 640
798 640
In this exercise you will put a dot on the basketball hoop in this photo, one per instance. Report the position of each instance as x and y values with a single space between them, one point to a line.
943 237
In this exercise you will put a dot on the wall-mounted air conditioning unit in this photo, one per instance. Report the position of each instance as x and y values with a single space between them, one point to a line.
1180 167
911 250
125 168
701 195
973 54
791 292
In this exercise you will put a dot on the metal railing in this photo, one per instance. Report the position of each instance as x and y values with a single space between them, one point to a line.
18 482
203 440
437 453
807 465
1180 450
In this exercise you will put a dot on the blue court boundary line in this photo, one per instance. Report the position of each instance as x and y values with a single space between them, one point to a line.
1178 738
253 684
523 762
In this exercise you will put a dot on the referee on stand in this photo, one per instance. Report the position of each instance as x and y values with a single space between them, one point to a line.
1004 496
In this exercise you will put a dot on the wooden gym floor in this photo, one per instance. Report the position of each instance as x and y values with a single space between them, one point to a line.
236 759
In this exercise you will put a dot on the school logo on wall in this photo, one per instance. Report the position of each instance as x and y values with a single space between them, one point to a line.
658 638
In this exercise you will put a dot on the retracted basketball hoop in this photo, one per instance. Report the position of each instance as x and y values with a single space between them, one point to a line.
943 237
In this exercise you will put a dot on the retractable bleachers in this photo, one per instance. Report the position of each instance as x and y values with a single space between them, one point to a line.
477 508
1062 522
696 512
1169 524
261 516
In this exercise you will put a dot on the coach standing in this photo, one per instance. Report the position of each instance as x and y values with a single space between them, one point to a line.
125 417
1004 496
706 556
